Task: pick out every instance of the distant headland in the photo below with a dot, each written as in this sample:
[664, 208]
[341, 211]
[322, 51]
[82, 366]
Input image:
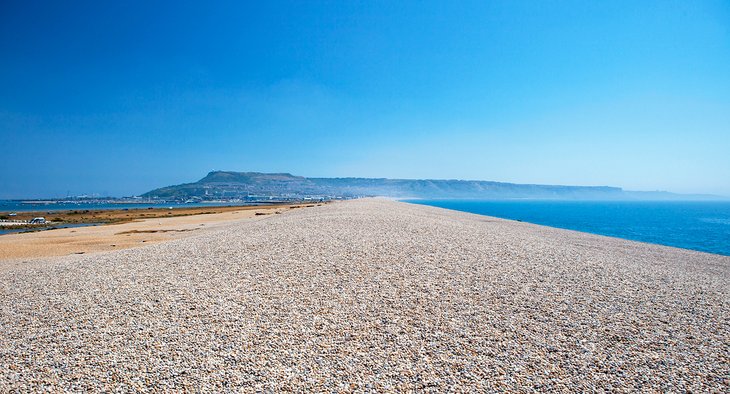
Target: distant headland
[222, 185]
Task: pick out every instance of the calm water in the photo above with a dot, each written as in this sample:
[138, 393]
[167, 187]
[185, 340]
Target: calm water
[25, 230]
[17, 206]
[703, 226]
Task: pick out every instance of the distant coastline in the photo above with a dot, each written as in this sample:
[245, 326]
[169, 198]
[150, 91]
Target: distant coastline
[256, 185]
[246, 188]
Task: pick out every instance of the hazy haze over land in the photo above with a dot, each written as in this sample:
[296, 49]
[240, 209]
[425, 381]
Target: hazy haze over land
[121, 98]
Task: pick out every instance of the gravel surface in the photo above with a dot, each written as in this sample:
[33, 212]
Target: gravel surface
[370, 295]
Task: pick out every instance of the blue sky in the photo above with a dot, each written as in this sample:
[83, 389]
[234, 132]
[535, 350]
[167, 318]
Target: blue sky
[119, 98]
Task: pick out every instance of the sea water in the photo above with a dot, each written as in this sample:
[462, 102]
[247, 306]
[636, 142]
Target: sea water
[697, 225]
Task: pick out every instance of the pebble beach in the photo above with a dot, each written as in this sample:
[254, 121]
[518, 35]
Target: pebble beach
[370, 295]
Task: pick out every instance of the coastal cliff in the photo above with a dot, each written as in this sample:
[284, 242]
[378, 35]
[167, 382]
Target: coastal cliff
[229, 184]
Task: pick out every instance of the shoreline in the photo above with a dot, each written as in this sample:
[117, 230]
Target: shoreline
[675, 234]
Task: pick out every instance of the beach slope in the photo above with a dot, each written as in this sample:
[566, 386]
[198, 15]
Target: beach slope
[370, 295]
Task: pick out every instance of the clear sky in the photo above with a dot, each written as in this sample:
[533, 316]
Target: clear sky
[121, 97]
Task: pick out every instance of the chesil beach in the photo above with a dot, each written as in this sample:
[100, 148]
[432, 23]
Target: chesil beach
[369, 295]
[365, 196]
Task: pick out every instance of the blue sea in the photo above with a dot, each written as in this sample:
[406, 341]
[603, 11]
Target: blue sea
[697, 225]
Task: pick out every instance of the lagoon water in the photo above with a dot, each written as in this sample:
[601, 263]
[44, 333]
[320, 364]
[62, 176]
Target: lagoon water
[26, 230]
[697, 225]
[19, 206]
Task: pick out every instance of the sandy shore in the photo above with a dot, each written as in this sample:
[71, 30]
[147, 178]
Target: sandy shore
[129, 229]
[370, 295]
[82, 215]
